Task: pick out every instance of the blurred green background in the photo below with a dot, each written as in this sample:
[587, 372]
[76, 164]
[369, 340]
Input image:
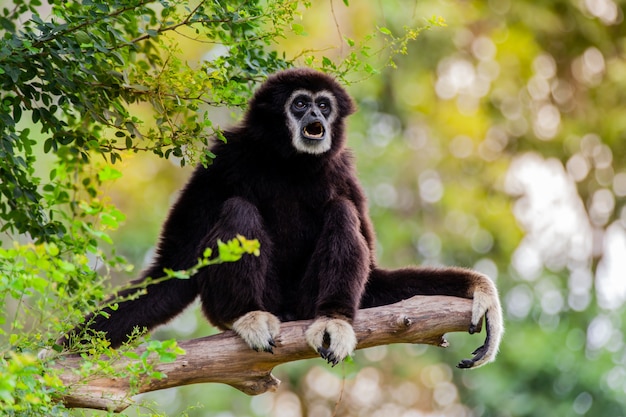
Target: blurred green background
[497, 143]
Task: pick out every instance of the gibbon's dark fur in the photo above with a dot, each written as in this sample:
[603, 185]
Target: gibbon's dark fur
[310, 215]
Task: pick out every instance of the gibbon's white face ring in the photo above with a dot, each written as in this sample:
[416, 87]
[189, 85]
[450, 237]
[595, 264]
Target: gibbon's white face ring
[315, 137]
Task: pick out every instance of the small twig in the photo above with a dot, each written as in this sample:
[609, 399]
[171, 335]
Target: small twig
[332, 9]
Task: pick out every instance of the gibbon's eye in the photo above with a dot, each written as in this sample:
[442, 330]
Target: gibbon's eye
[324, 106]
[299, 104]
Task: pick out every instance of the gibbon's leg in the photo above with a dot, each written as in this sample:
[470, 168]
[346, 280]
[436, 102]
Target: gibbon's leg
[337, 273]
[159, 304]
[390, 286]
[233, 294]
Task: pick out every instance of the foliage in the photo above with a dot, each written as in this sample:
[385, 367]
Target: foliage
[76, 73]
[22, 389]
[36, 268]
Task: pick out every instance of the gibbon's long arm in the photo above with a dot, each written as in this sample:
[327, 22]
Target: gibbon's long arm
[339, 273]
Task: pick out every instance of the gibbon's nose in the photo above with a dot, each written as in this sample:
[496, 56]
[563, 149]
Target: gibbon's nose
[316, 113]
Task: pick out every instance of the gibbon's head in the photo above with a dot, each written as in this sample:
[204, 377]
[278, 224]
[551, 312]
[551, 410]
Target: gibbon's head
[300, 111]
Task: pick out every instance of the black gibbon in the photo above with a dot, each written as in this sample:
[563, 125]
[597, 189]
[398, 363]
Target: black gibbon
[285, 177]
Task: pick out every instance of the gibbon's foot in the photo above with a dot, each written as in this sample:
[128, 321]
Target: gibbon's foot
[259, 329]
[333, 339]
[486, 304]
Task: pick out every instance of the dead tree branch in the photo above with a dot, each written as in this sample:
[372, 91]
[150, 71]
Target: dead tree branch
[226, 359]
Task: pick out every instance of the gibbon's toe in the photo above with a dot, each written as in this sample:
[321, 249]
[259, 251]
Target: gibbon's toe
[259, 329]
[333, 339]
[465, 364]
[474, 328]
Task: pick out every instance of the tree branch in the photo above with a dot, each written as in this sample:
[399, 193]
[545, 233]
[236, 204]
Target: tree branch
[225, 358]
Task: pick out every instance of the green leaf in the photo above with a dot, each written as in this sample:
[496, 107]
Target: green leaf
[229, 252]
[52, 249]
[47, 145]
[176, 274]
[109, 173]
[109, 220]
[132, 355]
[7, 25]
[298, 29]
[167, 357]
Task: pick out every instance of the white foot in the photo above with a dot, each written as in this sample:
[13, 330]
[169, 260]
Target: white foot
[259, 329]
[333, 339]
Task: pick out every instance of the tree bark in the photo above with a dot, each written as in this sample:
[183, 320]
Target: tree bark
[225, 358]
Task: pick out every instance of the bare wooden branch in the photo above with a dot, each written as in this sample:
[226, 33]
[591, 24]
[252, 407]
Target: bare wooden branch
[226, 359]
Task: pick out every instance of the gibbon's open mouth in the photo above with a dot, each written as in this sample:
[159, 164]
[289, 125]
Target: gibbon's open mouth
[313, 130]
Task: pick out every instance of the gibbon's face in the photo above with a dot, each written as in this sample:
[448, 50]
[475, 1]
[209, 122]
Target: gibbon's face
[310, 116]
